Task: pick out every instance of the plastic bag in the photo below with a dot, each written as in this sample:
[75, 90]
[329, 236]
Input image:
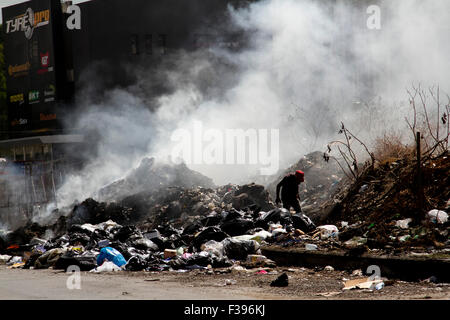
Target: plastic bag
[327, 231]
[112, 255]
[213, 247]
[239, 249]
[237, 226]
[302, 222]
[437, 216]
[210, 233]
[107, 266]
[136, 263]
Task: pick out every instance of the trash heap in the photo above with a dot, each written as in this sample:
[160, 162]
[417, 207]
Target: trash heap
[181, 229]
[380, 210]
[184, 228]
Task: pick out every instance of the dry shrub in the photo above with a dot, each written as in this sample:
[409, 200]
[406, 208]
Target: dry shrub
[389, 147]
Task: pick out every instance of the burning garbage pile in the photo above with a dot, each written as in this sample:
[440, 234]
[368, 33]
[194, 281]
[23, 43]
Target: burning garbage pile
[165, 227]
[212, 239]
[199, 227]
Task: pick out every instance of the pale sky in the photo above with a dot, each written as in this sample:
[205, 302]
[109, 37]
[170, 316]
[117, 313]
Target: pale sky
[6, 3]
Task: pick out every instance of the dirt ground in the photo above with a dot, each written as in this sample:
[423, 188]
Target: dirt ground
[199, 285]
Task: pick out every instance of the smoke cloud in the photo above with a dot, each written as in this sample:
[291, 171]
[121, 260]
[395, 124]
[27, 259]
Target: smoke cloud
[308, 66]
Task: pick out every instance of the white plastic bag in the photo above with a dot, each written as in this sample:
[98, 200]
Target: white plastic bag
[328, 231]
[437, 216]
[107, 266]
[214, 247]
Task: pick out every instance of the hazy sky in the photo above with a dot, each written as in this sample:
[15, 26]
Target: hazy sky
[6, 3]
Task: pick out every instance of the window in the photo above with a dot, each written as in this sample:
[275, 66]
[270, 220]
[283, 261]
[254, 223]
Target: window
[148, 44]
[162, 43]
[134, 44]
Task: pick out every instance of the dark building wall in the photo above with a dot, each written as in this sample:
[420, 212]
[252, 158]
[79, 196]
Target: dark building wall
[117, 33]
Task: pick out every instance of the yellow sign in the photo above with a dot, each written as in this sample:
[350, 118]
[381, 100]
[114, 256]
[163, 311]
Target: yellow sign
[16, 98]
[19, 69]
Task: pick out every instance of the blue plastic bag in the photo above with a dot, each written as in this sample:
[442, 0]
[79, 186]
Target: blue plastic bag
[112, 255]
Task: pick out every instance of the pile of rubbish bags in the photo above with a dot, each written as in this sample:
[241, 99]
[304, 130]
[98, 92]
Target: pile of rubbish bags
[213, 240]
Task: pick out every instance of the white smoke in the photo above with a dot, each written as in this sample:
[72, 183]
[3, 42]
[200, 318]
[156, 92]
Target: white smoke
[309, 66]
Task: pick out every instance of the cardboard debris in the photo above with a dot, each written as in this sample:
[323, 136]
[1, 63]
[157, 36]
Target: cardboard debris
[169, 253]
[361, 283]
[329, 294]
[17, 265]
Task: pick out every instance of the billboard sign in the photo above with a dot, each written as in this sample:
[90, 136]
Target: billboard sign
[29, 49]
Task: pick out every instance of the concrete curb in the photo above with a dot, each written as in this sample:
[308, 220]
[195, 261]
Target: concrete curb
[410, 269]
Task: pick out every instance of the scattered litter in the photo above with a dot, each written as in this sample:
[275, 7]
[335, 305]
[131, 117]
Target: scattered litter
[14, 260]
[4, 258]
[169, 253]
[403, 224]
[404, 238]
[437, 216]
[357, 273]
[344, 224]
[107, 266]
[151, 280]
[262, 272]
[328, 231]
[362, 283]
[281, 281]
[329, 294]
[103, 243]
[229, 282]
[256, 258]
[17, 265]
[363, 188]
[379, 286]
[310, 247]
[111, 254]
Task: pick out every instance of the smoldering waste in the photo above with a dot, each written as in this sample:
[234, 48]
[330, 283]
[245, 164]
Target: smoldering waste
[156, 222]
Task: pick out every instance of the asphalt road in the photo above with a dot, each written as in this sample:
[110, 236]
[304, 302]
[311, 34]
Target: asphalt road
[199, 285]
